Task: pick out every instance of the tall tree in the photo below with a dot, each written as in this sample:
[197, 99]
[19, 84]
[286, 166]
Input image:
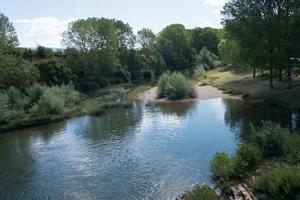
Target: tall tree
[8, 35]
[174, 44]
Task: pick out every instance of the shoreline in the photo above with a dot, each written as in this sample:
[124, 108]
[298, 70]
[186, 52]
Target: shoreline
[203, 93]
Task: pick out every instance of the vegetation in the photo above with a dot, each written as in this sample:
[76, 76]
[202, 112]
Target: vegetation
[175, 86]
[201, 193]
[282, 182]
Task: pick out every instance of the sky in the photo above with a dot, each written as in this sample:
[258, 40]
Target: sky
[42, 22]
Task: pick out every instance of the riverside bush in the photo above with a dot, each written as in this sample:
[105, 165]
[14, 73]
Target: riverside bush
[221, 166]
[270, 139]
[34, 92]
[247, 158]
[201, 193]
[292, 149]
[175, 86]
[281, 183]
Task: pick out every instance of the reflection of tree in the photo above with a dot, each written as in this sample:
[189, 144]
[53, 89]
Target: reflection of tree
[115, 122]
[177, 108]
[239, 115]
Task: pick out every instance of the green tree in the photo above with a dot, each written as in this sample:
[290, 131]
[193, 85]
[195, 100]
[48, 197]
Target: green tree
[8, 35]
[206, 37]
[174, 44]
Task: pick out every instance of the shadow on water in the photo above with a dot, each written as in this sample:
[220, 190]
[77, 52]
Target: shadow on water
[239, 116]
[179, 109]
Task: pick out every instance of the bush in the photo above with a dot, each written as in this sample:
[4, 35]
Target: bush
[282, 183]
[55, 99]
[199, 72]
[207, 59]
[54, 73]
[292, 148]
[247, 158]
[16, 100]
[221, 166]
[270, 139]
[201, 193]
[175, 86]
[35, 92]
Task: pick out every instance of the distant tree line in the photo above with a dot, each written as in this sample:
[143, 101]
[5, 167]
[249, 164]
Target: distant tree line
[260, 34]
[100, 52]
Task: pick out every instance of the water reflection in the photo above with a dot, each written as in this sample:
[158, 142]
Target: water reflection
[239, 116]
[144, 152]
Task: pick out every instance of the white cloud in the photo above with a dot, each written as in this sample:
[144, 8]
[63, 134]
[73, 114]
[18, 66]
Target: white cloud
[216, 12]
[45, 31]
[215, 3]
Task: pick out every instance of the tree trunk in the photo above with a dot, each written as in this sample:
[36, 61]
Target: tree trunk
[289, 70]
[271, 77]
[280, 74]
[254, 72]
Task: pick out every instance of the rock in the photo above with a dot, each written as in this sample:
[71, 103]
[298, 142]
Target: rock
[241, 192]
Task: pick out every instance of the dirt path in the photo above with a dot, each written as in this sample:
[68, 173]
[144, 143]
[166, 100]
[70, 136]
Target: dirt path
[203, 92]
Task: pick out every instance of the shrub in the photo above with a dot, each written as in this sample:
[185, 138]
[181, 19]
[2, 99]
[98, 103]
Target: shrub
[292, 148]
[16, 100]
[207, 59]
[247, 158]
[175, 86]
[282, 183]
[270, 139]
[54, 73]
[199, 72]
[50, 103]
[221, 166]
[35, 92]
[54, 99]
[201, 193]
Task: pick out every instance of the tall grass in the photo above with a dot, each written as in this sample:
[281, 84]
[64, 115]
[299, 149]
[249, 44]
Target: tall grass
[175, 86]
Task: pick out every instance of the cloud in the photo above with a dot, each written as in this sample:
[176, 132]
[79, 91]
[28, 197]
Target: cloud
[215, 3]
[45, 31]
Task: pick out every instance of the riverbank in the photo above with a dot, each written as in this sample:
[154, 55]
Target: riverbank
[203, 93]
[240, 82]
[90, 103]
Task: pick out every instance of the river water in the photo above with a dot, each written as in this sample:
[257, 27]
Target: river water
[144, 152]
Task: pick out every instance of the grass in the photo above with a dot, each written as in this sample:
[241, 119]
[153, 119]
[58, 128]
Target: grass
[134, 93]
[240, 82]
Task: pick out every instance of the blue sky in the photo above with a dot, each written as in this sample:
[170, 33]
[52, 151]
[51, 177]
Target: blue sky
[41, 22]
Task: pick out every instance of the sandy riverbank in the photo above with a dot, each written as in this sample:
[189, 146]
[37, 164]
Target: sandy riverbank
[203, 92]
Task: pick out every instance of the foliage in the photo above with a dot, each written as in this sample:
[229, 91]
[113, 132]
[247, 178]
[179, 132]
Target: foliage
[221, 166]
[199, 72]
[175, 86]
[8, 35]
[34, 92]
[282, 183]
[206, 37]
[54, 73]
[55, 99]
[247, 158]
[270, 138]
[292, 148]
[43, 52]
[207, 59]
[201, 193]
[230, 52]
[174, 44]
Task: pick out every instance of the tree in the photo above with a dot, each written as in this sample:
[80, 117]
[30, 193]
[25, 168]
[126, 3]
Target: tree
[43, 52]
[97, 42]
[54, 73]
[264, 29]
[174, 44]
[146, 39]
[8, 35]
[206, 37]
